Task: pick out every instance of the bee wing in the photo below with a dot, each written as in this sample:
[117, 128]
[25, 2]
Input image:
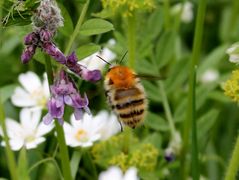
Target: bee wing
[149, 77]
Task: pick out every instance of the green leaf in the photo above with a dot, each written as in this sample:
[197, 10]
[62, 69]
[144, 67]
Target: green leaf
[95, 26]
[23, 165]
[156, 122]
[152, 91]
[87, 50]
[7, 91]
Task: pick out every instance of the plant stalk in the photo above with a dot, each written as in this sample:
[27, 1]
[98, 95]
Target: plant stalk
[65, 162]
[77, 28]
[131, 40]
[190, 122]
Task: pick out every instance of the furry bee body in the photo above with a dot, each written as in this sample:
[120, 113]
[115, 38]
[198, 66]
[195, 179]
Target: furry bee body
[126, 95]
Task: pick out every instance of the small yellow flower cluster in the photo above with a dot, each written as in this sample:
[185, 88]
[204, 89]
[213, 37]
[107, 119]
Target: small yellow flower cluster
[127, 7]
[143, 156]
[231, 86]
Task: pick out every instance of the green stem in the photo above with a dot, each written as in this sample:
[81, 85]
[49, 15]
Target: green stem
[131, 40]
[166, 9]
[233, 167]
[10, 155]
[77, 28]
[233, 19]
[65, 163]
[191, 118]
[167, 108]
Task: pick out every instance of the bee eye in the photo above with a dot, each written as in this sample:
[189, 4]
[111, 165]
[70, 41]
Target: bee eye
[111, 82]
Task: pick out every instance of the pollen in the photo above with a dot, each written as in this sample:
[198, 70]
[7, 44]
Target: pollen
[231, 86]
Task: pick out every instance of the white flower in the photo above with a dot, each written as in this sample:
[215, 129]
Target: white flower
[187, 11]
[117, 174]
[92, 62]
[29, 132]
[90, 128]
[107, 124]
[33, 93]
[209, 76]
[233, 53]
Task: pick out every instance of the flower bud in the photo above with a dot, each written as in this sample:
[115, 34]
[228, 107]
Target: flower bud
[28, 53]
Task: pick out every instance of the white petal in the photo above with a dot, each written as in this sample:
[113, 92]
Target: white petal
[30, 81]
[14, 129]
[234, 58]
[44, 129]
[131, 174]
[16, 144]
[30, 118]
[46, 86]
[22, 99]
[113, 172]
[33, 144]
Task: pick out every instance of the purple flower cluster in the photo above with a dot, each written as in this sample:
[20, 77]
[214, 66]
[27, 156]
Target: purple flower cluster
[64, 93]
[43, 40]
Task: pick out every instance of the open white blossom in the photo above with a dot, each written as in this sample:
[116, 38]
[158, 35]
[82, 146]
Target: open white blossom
[86, 131]
[29, 132]
[92, 62]
[116, 173]
[209, 76]
[33, 93]
[233, 53]
[187, 11]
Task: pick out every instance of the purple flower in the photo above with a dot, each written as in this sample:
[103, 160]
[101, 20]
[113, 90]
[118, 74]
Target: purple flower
[31, 38]
[28, 53]
[53, 51]
[45, 36]
[82, 71]
[56, 110]
[64, 92]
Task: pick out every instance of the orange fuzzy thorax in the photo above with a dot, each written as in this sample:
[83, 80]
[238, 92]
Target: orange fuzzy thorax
[121, 76]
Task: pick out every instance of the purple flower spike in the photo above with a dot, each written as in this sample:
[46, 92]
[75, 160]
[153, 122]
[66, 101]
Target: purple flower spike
[45, 35]
[28, 53]
[71, 60]
[53, 51]
[31, 38]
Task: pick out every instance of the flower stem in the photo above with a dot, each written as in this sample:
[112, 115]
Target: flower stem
[191, 117]
[233, 167]
[75, 160]
[77, 28]
[10, 155]
[131, 40]
[167, 109]
[233, 19]
[65, 163]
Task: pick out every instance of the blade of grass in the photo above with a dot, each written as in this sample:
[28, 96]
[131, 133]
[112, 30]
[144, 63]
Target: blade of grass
[191, 117]
[75, 161]
[233, 167]
[10, 155]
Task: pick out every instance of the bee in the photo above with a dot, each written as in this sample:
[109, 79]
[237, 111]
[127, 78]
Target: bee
[125, 95]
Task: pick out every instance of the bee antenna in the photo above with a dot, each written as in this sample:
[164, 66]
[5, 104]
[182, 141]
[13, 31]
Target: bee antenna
[103, 59]
[123, 57]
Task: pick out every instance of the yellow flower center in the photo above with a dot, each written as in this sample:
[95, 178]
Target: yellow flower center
[81, 135]
[30, 138]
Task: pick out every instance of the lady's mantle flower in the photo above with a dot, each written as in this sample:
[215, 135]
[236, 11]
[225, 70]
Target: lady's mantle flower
[231, 86]
[186, 10]
[116, 173]
[128, 7]
[81, 133]
[29, 132]
[34, 93]
[233, 53]
[64, 92]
